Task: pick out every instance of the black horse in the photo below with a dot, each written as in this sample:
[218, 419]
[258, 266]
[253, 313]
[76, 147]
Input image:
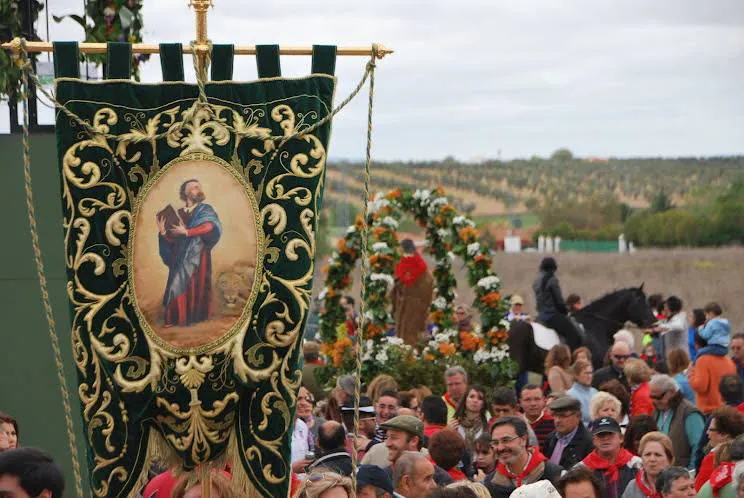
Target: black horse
[600, 318]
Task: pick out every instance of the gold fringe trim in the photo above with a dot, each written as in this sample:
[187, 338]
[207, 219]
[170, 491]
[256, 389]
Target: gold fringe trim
[158, 450]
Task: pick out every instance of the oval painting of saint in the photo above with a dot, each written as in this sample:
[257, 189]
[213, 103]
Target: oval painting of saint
[193, 262]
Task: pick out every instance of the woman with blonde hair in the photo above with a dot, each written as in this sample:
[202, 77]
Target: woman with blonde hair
[657, 455]
[220, 488]
[326, 484]
[382, 382]
[638, 374]
[605, 404]
[557, 365]
[478, 489]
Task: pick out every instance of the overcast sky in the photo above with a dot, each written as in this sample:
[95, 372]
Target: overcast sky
[524, 77]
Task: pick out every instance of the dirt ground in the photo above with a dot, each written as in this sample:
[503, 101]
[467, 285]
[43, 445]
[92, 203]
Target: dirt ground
[697, 276]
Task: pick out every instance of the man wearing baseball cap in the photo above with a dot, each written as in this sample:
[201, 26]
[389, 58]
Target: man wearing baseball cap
[373, 482]
[517, 309]
[613, 465]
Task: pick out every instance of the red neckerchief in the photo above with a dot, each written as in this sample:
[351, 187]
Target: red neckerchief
[410, 268]
[449, 401]
[640, 480]
[721, 476]
[543, 415]
[611, 470]
[536, 458]
[740, 408]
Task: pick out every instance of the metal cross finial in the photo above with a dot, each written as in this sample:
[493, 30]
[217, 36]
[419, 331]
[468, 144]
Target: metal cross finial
[201, 7]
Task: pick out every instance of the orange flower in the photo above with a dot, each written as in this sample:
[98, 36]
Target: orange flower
[480, 258]
[447, 208]
[341, 245]
[378, 231]
[498, 336]
[346, 281]
[438, 220]
[374, 259]
[439, 190]
[436, 316]
[468, 234]
[491, 299]
[447, 348]
[373, 330]
[331, 292]
[429, 357]
[393, 194]
[469, 342]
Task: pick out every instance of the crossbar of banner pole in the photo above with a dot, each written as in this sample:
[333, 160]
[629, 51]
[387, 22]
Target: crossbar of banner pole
[145, 48]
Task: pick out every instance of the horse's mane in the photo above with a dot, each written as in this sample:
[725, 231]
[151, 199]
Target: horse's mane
[600, 302]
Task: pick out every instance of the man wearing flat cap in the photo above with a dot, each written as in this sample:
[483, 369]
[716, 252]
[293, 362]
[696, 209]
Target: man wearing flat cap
[570, 442]
[612, 464]
[406, 433]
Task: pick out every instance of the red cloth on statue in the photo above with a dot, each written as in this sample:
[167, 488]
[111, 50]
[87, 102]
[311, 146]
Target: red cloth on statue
[195, 301]
[410, 268]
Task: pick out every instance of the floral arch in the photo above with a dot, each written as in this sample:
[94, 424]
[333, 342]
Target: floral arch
[483, 351]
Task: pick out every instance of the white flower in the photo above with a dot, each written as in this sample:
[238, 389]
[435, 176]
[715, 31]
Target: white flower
[381, 357]
[377, 204]
[462, 220]
[473, 249]
[385, 278]
[395, 341]
[451, 255]
[434, 205]
[322, 294]
[440, 303]
[505, 324]
[441, 338]
[422, 196]
[379, 246]
[351, 230]
[369, 315]
[389, 221]
[489, 282]
[443, 233]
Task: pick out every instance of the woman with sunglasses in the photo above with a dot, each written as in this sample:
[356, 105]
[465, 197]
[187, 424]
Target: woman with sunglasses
[725, 424]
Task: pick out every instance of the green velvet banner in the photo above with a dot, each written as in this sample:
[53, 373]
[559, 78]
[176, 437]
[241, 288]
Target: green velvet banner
[189, 261]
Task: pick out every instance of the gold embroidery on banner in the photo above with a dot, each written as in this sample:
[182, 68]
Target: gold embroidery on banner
[264, 356]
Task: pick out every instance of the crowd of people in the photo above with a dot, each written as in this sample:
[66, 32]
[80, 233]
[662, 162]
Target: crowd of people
[661, 418]
[652, 422]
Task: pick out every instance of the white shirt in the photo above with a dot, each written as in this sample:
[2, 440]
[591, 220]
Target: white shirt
[300, 446]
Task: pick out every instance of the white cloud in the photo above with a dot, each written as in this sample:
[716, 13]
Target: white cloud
[617, 77]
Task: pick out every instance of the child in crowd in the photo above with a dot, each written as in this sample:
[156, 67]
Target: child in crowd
[716, 331]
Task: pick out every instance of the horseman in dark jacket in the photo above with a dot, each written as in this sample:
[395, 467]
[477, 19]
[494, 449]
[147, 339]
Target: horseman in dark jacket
[551, 308]
[570, 442]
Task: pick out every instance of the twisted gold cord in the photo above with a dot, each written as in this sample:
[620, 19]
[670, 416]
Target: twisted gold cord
[364, 267]
[40, 273]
